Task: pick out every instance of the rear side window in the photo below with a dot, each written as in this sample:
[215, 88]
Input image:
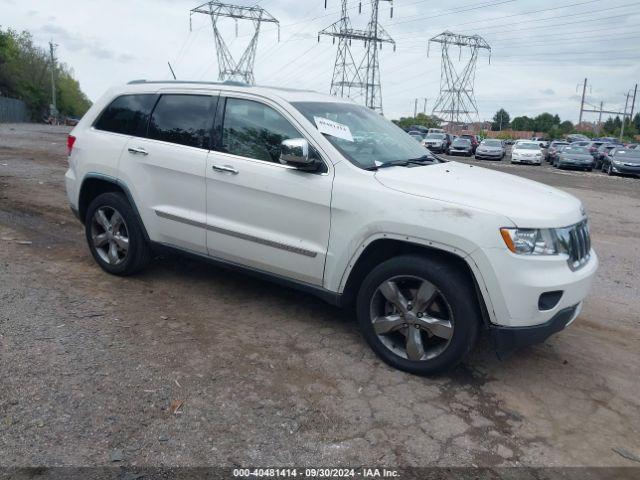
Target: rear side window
[128, 114]
[183, 119]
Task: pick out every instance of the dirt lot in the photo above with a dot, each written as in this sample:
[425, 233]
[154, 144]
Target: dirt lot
[268, 376]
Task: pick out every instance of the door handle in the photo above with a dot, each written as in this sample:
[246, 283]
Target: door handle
[138, 150]
[224, 169]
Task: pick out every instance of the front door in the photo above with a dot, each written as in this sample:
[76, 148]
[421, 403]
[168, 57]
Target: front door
[260, 213]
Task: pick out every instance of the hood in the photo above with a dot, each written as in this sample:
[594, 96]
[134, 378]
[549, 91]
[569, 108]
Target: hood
[525, 202]
[573, 156]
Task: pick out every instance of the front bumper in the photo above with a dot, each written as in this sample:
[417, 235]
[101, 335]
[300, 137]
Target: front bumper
[569, 163]
[489, 155]
[626, 169]
[506, 340]
[436, 148]
[459, 152]
[515, 283]
[529, 160]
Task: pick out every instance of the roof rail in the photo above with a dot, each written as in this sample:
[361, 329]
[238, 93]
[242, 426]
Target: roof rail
[226, 82]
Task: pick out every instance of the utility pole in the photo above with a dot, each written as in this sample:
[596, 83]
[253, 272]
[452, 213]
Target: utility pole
[424, 110]
[415, 109]
[52, 50]
[600, 118]
[633, 102]
[584, 92]
[624, 116]
[228, 67]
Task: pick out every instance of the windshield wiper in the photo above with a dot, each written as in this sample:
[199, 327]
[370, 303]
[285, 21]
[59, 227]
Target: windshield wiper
[395, 163]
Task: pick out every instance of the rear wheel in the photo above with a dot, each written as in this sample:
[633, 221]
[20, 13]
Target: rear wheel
[115, 235]
[417, 314]
[610, 170]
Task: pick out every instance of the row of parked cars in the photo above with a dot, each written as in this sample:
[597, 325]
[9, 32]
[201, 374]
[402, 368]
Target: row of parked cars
[600, 154]
[438, 141]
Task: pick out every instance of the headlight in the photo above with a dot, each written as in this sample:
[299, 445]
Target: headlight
[617, 162]
[530, 241]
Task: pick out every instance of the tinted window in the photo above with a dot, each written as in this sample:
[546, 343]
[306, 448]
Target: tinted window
[183, 119]
[254, 130]
[128, 114]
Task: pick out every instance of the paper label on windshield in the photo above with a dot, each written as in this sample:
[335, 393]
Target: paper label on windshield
[334, 129]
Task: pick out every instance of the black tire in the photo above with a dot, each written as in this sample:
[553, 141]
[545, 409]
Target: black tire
[138, 253]
[610, 170]
[456, 289]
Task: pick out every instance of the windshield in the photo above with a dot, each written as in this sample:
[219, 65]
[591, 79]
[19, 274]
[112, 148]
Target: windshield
[461, 142]
[491, 143]
[438, 136]
[558, 144]
[629, 153]
[370, 139]
[528, 146]
[576, 150]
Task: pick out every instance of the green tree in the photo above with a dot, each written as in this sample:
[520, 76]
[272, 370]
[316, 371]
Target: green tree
[545, 122]
[500, 120]
[427, 121]
[522, 124]
[25, 71]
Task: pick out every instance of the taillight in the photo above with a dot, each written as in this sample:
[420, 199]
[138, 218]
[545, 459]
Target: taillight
[70, 141]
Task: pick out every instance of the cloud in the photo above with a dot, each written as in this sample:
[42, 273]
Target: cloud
[77, 43]
[548, 91]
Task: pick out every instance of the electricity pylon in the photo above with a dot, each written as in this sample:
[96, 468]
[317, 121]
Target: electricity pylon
[361, 82]
[228, 68]
[456, 101]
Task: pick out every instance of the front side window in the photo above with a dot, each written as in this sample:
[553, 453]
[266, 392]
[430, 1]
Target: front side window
[127, 114]
[183, 119]
[254, 130]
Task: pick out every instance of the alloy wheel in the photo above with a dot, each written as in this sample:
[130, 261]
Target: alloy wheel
[412, 318]
[109, 235]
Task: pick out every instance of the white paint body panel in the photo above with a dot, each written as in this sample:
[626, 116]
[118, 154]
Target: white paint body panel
[452, 206]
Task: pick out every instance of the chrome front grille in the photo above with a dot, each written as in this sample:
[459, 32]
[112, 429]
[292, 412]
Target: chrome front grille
[577, 244]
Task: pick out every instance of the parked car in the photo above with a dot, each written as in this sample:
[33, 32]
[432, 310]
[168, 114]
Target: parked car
[613, 140]
[417, 136]
[509, 142]
[288, 186]
[577, 137]
[593, 147]
[575, 157]
[435, 130]
[71, 121]
[490, 149]
[461, 146]
[601, 153]
[552, 151]
[437, 142]
[543, 142]
[473, 139]
[527, 152]
[622, 161]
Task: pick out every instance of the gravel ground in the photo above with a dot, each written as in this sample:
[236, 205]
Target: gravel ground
[94, 365]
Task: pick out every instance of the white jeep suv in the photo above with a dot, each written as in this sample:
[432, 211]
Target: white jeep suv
[318, 193]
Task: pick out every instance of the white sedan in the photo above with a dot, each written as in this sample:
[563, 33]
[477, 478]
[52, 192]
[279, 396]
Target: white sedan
[527, 152]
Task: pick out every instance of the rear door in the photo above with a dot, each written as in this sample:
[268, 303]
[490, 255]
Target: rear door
[260, 213]
[166, 169]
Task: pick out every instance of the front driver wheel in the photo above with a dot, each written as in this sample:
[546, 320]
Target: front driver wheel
[115, 236]
[418, 314]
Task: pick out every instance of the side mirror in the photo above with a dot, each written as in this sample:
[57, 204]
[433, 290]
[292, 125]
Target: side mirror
[296, 152]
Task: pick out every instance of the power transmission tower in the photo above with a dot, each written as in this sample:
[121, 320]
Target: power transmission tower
[361, 82]
[456, 101]
[228, 68]
[601, 110]
[52, 53]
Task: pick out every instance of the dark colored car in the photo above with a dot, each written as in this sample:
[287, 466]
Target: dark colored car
[575, 157]
[577, 137]
[461, 146]
[473, 139]
[609, 140]
[554, 147]
[437, 142]
[622, 160]
[603, 151]
[593, 147]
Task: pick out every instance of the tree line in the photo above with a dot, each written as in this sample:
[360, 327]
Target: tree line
[25, 74]
[554, 127]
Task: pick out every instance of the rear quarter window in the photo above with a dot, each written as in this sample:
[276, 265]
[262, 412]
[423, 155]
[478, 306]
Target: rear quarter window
[127, 114]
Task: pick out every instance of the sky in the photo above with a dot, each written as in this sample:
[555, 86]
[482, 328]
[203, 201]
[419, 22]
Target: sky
[541, 50]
